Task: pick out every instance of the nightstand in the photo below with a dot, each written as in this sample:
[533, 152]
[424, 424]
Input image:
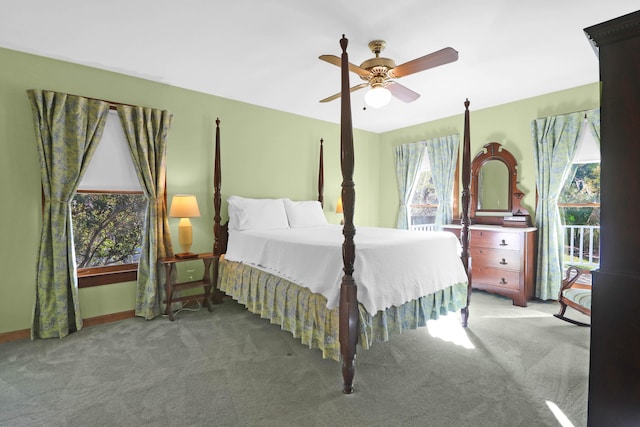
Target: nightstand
[171, 288]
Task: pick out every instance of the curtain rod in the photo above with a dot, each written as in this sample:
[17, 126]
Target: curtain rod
[113, 105]
[573, 112]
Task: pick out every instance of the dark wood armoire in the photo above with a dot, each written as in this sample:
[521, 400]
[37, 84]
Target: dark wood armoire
[614, 370]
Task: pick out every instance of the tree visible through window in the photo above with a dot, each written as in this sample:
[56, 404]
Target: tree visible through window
[107, 228]
[579, 204]
[579, 199]
[424, 202]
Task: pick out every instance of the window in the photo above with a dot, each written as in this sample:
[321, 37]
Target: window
[108, 212]
[424, 201]
[579, 204]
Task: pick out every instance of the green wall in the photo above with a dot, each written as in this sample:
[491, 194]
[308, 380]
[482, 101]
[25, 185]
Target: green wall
[509, 124]
[265, 153]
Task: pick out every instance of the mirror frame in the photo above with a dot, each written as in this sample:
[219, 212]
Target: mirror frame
[495, 151]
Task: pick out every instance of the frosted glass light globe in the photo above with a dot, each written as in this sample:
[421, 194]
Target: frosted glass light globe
[377, 97]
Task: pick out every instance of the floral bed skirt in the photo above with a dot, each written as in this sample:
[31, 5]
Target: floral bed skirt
[305, 314]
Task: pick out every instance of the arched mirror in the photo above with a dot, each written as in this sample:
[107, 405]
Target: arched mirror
[493, 187]
[494, 193]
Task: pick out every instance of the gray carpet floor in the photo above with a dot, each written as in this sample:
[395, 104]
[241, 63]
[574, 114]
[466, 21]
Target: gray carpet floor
[511, 367]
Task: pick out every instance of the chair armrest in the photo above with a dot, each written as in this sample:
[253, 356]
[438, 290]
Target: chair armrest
[572, 276]
[575, 285]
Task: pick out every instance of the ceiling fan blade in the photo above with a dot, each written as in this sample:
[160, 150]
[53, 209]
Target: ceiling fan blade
[353, 89]
[403, 93]
[440, 57]
[332, 59]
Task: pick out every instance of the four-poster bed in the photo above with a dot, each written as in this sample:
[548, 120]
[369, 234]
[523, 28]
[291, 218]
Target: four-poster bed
[309, 305]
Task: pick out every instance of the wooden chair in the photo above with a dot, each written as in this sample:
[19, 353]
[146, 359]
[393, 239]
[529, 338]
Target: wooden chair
[575, 292]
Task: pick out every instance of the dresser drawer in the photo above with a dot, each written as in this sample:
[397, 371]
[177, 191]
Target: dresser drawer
[495, 277]
[496, 239]
[502, 260]
[495, 258]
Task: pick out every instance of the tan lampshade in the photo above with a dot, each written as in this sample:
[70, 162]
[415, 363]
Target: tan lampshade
[184, 206]
[339, 205]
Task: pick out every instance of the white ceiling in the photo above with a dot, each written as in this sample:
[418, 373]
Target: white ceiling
[265, 52]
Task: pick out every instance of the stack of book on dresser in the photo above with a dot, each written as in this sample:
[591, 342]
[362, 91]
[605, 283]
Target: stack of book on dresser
[517, 221]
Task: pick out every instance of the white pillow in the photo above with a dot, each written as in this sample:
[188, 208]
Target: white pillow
[256, 214]
[233, 214]
[305, 214]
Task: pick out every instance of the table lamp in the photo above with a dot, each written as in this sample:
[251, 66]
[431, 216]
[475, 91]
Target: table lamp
[339, 209]
[184, 206]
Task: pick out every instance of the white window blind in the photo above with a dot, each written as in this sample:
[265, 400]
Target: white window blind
[111, 167]
[588, 149]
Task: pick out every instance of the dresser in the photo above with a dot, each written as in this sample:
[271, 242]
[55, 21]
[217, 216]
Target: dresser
[503, 260]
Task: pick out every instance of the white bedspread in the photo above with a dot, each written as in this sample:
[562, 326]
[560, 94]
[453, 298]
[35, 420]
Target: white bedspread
[391, 266]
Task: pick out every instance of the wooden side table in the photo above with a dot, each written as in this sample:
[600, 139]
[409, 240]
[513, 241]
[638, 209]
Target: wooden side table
[170, 287]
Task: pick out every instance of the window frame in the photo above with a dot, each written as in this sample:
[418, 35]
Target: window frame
[108, 274]
[455, 196]
[583, 133]
[585, 239]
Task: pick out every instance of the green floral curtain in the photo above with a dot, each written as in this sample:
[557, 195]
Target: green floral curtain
[68, 129]
[555, 140]
[443, 154]
[146, 130]
[408, 159]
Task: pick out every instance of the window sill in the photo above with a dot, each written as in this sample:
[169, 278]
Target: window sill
[88, 277]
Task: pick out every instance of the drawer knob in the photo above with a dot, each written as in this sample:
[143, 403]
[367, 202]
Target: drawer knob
[503, 262]
[503, 243]
[502, 281]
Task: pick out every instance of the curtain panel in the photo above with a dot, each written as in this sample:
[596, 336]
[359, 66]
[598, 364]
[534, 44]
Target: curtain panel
[146, 130]
[408, 160]
[443, 156]
[67, 129]
[555, 140]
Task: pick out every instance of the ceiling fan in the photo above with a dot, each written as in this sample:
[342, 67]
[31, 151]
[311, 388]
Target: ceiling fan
[381, 73]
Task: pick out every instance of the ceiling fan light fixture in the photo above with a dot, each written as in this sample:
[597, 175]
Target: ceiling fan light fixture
[377, 97]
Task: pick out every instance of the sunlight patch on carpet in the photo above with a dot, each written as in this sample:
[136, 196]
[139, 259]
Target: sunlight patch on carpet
[560, 416]
[509, 314]
[449, 329]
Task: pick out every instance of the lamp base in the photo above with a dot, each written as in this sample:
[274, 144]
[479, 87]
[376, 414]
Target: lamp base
[184, 255]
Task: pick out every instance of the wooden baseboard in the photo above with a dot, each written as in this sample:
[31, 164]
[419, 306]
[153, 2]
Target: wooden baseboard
[25, 334]
[108, 318]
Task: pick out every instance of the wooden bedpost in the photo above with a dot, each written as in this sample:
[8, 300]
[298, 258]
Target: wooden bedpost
[321, 175]
[217, 202]
[348, 289]
[465, 221]
[219, 231]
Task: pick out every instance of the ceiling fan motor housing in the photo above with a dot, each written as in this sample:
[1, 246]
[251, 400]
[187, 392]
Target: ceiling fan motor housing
[378, 67]
[369, 64]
